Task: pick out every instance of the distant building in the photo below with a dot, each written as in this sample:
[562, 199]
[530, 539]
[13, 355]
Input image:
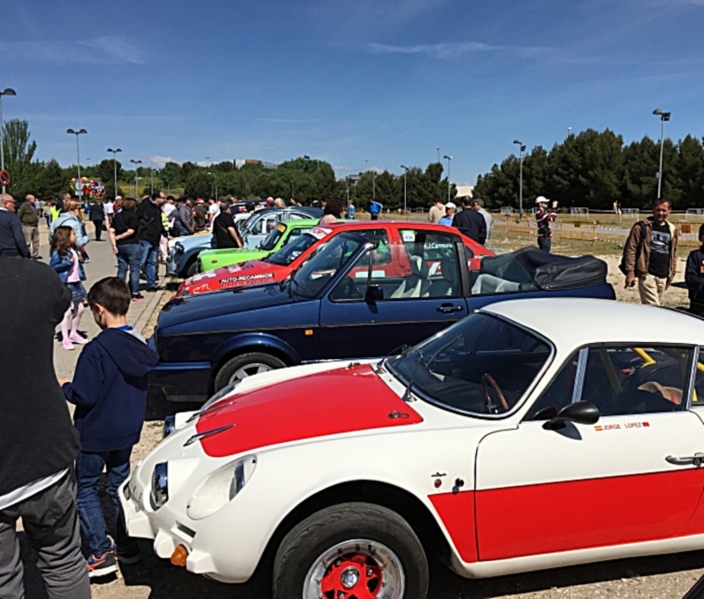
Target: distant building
[464, 190]
[240, 162]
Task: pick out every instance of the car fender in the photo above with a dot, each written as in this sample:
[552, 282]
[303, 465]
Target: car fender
[186, 258]
[255, 341]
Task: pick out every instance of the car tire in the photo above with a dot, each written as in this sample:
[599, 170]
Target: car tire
[191, 269]
[321, 556]
[247, 365]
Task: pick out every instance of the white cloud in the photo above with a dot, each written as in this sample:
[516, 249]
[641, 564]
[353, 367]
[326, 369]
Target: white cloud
[98, 50]
[345, 169]
[159, 161]
[456, 49]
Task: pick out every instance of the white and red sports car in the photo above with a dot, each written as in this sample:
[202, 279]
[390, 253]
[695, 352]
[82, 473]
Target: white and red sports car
[532, 434]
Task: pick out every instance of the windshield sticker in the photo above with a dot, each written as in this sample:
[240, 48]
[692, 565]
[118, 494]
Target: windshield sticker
[319, 232]
[409, 236]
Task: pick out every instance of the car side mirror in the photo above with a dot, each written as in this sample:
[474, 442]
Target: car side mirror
[374, 294]
[580, 412]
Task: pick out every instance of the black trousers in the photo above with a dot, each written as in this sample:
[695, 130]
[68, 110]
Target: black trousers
[98, 229]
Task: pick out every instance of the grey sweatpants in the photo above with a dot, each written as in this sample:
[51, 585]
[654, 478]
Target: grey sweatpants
[51, 524]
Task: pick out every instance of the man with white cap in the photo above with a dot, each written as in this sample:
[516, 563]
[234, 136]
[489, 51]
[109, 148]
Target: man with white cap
[449, 215]
[544, 218]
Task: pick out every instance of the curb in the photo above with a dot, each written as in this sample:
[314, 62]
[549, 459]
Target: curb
[148, 310]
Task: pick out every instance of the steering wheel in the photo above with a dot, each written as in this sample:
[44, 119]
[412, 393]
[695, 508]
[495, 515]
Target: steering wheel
[348, 290]
[487, 381]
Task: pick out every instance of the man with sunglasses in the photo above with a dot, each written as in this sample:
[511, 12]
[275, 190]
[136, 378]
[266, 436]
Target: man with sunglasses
[12, 243]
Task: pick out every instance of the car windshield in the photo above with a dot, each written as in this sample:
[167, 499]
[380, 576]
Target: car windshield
[272, 238]
[481, 365]
[291, 251]
[313, 276]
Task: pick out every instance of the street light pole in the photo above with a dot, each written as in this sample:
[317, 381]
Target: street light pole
[521, 149]
[438, 149]
[114, 164]
[449, 162]
[136, 177]
[664, 116]
[78, 152]
[8, 92]
[405, 189]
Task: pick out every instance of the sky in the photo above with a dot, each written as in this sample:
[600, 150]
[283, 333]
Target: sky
[359, 83]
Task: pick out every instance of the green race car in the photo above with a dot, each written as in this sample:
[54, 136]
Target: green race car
[282, 233]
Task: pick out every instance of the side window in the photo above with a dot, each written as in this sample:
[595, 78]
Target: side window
[353, 287]
[432, 259]
[621, 380]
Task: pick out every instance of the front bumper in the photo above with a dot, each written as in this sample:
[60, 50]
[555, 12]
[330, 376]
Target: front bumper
[182, 381]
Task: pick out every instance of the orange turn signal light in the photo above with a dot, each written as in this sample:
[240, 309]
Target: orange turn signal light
[179, 556]
[308, 332]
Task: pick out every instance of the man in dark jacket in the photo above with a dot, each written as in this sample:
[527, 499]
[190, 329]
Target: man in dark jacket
[109, 390]
[29, 217]
[470, 222]
[151, 228]
[12, 241]
[38, 443]
[694, 277]
[96, 214]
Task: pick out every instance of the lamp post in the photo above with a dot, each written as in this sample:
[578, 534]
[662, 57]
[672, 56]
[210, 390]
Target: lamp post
[449, 161]
[114, 164]
[79, 192]
[293, 190]
[405, 189]
[136, 178]
[8, 92]
[664, 116]
[569, 131]
[521, 149]
[366, 162]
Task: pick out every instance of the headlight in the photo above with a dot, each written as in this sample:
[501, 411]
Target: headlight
[179, 248]
[169, 426]
[220, 487]
[160, 484]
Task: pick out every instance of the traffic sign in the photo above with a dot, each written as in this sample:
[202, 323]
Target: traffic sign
[79, 185]
[4, 178]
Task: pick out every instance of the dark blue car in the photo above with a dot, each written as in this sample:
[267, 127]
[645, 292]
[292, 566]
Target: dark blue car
[359, 296]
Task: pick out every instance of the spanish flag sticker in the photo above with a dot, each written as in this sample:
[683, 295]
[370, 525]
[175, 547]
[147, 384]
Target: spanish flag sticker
[598, 428]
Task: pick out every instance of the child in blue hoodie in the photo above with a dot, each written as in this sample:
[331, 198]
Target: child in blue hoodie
[109, 390]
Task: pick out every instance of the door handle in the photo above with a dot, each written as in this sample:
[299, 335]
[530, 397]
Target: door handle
[449, 308]
[697, 460]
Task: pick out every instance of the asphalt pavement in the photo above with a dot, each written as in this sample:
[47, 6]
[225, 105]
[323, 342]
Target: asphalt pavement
[103, 263]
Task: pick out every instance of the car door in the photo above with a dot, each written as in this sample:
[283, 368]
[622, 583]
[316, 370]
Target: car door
[410, 304]
[631, 477]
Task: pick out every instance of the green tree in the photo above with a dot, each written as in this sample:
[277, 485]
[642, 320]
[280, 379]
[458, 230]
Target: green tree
[198, 185]
[53, 182]
[171, 173]
[19, 152]
[106, 175]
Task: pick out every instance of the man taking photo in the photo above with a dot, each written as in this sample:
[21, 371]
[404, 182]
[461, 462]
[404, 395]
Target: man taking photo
[650, 254]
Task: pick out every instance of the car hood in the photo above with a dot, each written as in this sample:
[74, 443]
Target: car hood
[333, 402]
[210, 305]
[193, 241]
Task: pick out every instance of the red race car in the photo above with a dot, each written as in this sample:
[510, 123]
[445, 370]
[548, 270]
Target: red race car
[280, 265]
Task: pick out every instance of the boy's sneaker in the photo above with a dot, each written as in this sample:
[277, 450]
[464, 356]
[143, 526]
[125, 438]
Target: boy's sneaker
[101, 565]
[129, 554]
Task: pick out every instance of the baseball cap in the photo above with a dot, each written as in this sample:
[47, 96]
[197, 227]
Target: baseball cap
[450, 205]
[541, 200]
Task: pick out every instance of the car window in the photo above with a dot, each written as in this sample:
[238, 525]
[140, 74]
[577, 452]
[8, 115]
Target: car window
[465, 368]
[501, 274]
[273, 237]
[621, 380]
[424, 266]
[313, 275]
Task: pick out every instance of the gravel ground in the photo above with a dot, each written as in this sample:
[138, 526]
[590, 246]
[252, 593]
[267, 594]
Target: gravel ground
[661, 577]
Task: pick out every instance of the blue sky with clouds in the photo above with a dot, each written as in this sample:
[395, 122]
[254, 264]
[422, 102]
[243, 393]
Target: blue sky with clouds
[358, 83]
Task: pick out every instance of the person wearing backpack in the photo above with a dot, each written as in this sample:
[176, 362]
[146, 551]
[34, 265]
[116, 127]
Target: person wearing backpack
[650, 254]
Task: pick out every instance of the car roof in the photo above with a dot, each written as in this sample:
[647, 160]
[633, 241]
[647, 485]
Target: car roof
[299, 222]
[573, 322]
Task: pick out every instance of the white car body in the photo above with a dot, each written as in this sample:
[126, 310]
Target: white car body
[506, 494]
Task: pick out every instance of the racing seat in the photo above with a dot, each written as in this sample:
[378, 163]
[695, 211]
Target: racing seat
[448, 285]
[417, 283]
[486, 283]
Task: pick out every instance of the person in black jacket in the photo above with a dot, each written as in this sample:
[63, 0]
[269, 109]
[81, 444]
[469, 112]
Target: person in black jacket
[109, 390]
[96, 215]
[694, 277]
[151, 228]
[38, 443]
[12, 242]
[470, 222]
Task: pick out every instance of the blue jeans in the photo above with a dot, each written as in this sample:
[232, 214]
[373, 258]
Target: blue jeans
[545, 243]
[129, 255]
[150, 253]
[89, 467]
